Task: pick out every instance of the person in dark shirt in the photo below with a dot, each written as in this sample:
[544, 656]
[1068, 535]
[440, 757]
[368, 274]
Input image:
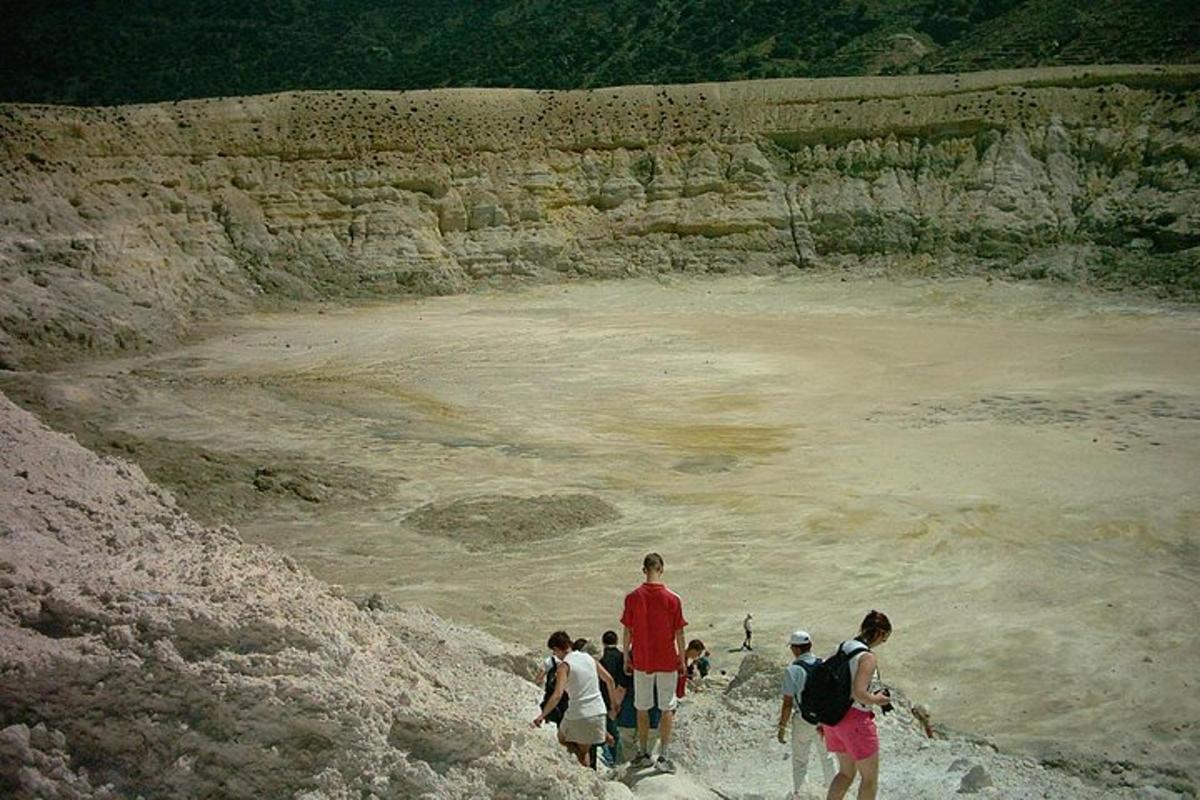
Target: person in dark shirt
[627, 737]
[613, 660]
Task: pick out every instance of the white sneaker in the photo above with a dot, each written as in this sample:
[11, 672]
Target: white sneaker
[664, 765]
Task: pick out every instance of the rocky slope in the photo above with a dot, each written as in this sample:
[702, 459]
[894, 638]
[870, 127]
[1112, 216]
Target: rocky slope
[141, 654]
[120, 227]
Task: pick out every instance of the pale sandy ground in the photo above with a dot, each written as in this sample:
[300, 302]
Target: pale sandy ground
[1008, 471]
[228, 671]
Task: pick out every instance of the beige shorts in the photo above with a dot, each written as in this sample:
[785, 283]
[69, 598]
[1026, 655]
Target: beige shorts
[652, 689]
[587, 730]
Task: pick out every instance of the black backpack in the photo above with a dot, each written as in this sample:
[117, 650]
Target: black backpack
[556, 713]
[808, 667]
[826, 696]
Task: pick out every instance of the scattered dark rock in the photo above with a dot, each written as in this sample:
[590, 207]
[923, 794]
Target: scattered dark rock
[267, 479]
[373, 602]
[504, 519]
[977, 778]
[523, 666]
[706, 465]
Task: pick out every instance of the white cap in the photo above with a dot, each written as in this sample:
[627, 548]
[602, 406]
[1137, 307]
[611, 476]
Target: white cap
[799, 637]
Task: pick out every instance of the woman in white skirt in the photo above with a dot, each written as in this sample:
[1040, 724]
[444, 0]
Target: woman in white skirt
[578, 674]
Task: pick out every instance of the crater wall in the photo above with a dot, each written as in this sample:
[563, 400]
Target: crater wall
[120, 227]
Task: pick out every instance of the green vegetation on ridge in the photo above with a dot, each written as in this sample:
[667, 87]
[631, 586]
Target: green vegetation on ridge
[105, 52]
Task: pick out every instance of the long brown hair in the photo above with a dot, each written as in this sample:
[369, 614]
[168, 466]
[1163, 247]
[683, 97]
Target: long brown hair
[874, 625]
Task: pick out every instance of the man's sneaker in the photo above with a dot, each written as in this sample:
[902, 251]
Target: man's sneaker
[663, 764]
[641, 760]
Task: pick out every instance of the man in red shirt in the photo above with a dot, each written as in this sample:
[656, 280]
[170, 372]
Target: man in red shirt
[654, 623]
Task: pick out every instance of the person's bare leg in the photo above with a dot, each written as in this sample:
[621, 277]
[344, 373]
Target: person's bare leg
[869, 769]
[845, 776]
[643, 728]
[665, 723]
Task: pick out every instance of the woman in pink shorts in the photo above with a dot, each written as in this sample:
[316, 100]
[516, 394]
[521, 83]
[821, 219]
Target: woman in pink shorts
[854, 741]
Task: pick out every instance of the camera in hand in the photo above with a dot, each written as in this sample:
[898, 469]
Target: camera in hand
[886, 708]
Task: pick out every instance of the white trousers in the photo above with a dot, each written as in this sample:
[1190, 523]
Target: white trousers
[805, 741]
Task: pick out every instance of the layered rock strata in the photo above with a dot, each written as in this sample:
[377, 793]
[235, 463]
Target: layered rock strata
[120, 227]
[144, 655]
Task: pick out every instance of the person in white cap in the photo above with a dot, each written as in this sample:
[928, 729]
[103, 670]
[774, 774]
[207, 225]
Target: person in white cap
[804, 736]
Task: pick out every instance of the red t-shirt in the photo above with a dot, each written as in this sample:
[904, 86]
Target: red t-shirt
[654, 613]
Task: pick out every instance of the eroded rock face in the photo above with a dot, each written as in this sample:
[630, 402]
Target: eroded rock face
[120, 226]
[141, 653]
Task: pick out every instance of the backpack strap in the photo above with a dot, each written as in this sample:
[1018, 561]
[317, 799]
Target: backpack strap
[807, 666]
[851, 654]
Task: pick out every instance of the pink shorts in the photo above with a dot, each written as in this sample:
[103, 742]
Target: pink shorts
[855, 735]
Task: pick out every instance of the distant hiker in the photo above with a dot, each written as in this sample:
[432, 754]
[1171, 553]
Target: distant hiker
[579, 674]
[654, 623]
[695, 648]
[854, 740]
[805, 738]
[748, 627]
[613, 660]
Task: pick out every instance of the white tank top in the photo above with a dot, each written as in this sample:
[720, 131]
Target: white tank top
[858, 648]
[583, 686]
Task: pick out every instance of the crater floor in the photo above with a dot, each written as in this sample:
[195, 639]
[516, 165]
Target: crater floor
[1008, 470]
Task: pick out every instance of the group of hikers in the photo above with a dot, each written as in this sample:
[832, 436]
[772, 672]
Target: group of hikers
[610, 706]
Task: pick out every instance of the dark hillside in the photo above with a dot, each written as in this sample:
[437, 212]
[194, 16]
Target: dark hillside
[105, 52]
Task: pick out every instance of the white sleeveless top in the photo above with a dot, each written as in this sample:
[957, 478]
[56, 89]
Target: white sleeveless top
[858, 648]
[583, 687]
